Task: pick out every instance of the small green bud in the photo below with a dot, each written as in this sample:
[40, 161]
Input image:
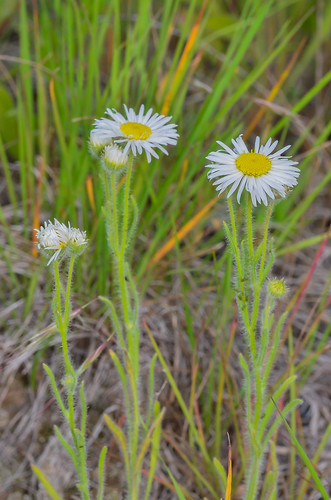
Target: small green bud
[277, 288]
[68, 381]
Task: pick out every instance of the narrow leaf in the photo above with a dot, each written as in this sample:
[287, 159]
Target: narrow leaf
[304, 457]
[46, 484]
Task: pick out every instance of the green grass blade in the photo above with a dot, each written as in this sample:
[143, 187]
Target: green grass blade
[304, 457]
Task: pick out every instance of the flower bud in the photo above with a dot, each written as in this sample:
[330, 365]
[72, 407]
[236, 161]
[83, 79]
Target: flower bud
[114, 159]
[277, 288]
[97, 143]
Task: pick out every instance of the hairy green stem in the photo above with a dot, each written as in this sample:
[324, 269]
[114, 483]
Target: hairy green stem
[117, 229]
[62, 320]
[251, 269]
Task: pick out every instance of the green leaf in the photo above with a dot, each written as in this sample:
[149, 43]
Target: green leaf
[220, 469]
[177, 487]
[46, 484]
[304, 457]
[120, 437]
[155, 446]
[101, 468]
[56, 390]
[67, 446]
[145, 444]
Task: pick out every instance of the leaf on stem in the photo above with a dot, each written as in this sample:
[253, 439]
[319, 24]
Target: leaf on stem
[155, 446]
[67, 447]
[46, 484]
[55, 390]
[115, 319]
[101, 469]
[83, 408]
[133, 225]
[151, 391]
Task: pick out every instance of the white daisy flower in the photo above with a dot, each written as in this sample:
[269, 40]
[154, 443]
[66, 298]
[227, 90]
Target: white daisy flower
[260, 171]
[60, 238]
[114, 158]
[137, 132]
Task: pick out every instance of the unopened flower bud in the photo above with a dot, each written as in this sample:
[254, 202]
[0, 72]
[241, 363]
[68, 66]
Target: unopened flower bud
[97, 143]
[277, 288]
[114, 159]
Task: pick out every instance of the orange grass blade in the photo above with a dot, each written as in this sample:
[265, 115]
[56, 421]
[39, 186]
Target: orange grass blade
[198, 421]
[182, 232]
[229, 480]
[36, 213]
[93, 357]
[184, 170]
[90, 192]
[182, 62]
[275, 89]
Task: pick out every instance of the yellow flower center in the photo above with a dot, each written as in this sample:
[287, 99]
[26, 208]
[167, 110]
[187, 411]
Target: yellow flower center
[254, 164]
[136, 131]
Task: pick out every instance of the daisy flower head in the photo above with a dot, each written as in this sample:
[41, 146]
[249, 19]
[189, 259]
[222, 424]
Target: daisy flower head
[262, 172]
[56, 238]
[137, 132]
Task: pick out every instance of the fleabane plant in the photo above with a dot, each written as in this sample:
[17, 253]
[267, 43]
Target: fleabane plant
[63, 244]
[265, 175]
[117, 140]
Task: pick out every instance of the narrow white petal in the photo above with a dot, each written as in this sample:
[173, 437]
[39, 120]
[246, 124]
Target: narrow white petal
[241, 187]
[278, 153]
[224, 146]
[234, 186]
